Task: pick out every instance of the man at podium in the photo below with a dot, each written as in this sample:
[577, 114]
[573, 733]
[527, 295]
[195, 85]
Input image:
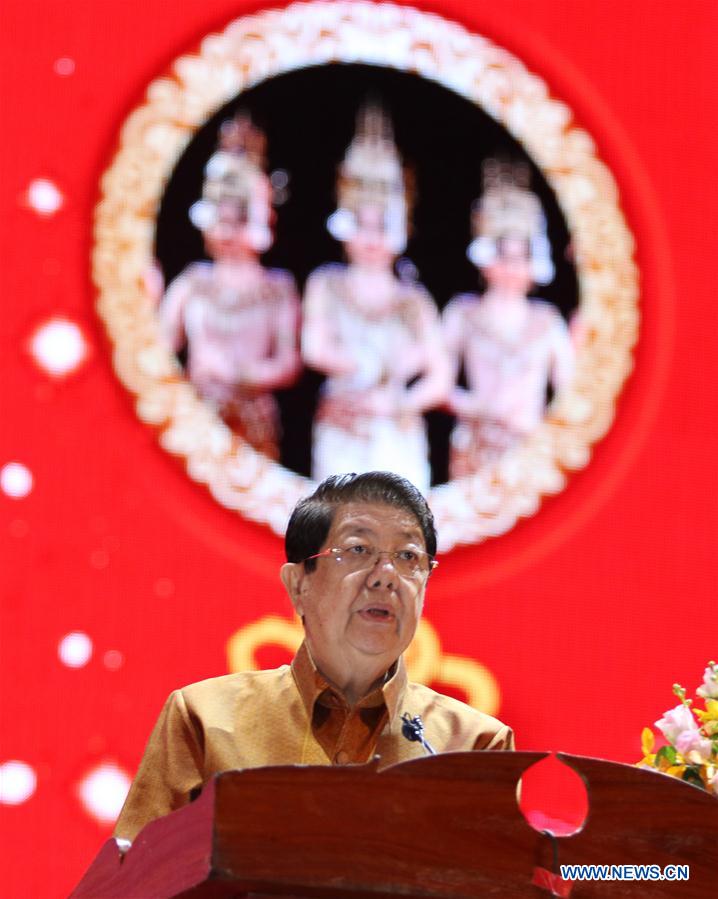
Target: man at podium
[360, 551]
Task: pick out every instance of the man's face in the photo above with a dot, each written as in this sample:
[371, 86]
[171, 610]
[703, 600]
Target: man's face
[367, 615]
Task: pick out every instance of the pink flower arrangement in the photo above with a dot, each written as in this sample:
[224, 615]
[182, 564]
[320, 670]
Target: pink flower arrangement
[691, 749]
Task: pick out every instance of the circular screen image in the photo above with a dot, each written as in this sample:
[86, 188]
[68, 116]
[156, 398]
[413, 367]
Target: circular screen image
[366, 256]
[446, 156]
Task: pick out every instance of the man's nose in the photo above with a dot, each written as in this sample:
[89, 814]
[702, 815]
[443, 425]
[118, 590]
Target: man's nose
[382, 572]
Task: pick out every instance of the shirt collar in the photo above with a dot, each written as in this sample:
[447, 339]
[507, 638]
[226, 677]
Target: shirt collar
[311, 684]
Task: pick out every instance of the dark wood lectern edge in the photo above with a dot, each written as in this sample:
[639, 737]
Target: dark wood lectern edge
[593, 771]
[179, 846]
[521, 760]
[380, 835]
[176, 848]
[449, 765]
[613, 786]
[636, 816]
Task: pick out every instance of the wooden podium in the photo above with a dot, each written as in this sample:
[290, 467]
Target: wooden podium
[442, 826]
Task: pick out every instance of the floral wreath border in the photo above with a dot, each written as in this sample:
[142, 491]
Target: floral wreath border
[260, 46]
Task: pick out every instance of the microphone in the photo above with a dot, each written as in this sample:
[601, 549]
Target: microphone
[413, 730]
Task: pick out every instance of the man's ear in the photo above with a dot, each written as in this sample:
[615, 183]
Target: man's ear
[292, 575]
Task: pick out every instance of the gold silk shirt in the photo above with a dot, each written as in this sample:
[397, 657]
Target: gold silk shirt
[288, 716]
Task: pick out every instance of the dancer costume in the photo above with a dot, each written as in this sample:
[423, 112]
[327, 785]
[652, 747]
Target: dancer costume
[240, 332]
[388, 344]
[507, 370]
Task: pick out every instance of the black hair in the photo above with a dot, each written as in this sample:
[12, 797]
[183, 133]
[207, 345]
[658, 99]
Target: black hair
[312, 517]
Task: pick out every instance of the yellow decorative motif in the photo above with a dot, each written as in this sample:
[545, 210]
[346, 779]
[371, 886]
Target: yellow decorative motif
[271, 630]
[425, 662]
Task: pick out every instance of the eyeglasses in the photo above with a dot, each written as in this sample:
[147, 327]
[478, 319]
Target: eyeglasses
[362, 556]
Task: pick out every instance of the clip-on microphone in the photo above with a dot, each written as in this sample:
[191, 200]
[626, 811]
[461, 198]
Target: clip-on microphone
[413, 730]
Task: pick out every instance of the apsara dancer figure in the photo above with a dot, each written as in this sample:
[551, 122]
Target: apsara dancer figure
[376, 337]
[237, 319]
[511, 345]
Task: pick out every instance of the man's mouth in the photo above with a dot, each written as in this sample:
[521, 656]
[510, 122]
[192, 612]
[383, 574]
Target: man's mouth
[376, 613]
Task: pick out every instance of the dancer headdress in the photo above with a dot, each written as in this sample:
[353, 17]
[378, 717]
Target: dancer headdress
[507, 208]
[235, 189]
[371, 175]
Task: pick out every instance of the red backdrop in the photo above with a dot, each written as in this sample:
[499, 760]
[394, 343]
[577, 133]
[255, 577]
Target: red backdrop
[585, 613]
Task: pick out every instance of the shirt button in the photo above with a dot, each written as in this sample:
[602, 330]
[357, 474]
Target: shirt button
[341, 758]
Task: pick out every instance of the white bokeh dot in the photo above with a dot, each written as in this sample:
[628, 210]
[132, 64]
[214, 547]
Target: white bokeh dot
[44, 196]
[64, 66]
[58, 347]
[75, 649]
[16, 480]
[103, 791]
[17, 782]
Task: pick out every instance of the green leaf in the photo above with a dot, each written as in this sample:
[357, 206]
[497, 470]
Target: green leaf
[668, 753]
[692, 776]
